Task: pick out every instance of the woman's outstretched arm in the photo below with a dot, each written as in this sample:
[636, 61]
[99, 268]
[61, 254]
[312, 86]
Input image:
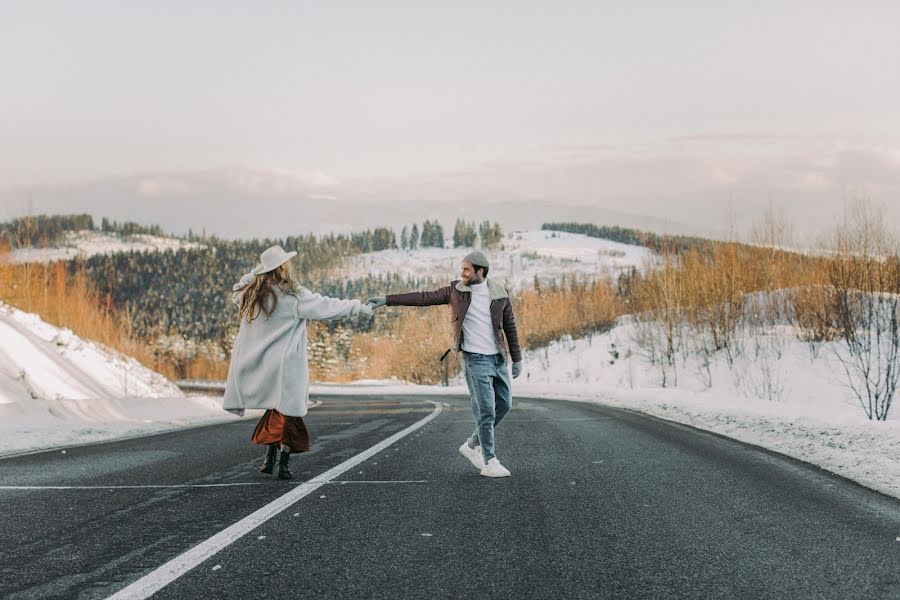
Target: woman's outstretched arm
[317, 306]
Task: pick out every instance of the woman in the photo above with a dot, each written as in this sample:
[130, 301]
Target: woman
[269, 367]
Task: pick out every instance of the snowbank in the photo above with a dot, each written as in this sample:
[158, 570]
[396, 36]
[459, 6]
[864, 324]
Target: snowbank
[58, 389]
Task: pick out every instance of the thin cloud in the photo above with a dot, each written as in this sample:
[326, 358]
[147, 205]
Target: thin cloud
[728, 136]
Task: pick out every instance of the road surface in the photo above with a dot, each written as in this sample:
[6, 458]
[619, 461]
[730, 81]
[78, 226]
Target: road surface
[602, 503]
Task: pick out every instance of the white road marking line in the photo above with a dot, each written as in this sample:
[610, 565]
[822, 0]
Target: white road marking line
[386, 481]
[122, 487]
[585, 419]
[154, 581]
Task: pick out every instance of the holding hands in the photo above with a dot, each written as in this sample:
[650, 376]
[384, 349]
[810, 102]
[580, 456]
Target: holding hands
[376, 302]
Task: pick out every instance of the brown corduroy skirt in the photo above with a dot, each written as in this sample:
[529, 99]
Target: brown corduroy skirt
[276, 428]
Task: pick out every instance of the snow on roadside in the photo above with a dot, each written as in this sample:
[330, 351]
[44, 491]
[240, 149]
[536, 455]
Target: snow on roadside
[815, 418]
[58, 389]
[778, 396]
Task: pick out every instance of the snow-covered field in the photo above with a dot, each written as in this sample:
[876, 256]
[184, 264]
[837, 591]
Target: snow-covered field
[547, 255]
[89, 243]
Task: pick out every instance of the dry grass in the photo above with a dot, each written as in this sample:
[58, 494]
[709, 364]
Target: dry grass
[409, 347]
[409, 342]
[70, 301]
[204, 367]
[575, 308]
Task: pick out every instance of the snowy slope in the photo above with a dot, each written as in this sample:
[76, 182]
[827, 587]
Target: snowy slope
[89, 243]
[547, 255]
[56, 388]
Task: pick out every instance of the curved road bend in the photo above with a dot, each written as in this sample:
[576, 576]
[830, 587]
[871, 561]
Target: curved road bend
[602, 504]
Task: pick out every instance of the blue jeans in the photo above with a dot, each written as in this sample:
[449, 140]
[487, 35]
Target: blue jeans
[488, 381]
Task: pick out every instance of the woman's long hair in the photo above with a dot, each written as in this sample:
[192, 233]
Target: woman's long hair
[260, 295]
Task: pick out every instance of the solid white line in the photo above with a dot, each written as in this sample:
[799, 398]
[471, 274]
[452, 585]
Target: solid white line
[120, 487]
[378, 482]
[154, 581]
[539, 420]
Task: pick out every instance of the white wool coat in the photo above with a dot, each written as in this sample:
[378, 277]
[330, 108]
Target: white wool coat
[269, 365]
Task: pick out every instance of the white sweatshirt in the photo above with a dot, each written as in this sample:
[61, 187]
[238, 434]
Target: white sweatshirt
[477, 327]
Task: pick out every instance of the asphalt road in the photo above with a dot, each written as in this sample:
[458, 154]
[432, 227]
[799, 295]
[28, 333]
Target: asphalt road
[601, 504]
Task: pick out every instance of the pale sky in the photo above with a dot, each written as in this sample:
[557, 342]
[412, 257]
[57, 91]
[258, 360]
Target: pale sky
[339, 115]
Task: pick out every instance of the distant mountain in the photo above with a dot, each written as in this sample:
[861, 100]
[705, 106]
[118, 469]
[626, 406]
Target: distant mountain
[246, 203]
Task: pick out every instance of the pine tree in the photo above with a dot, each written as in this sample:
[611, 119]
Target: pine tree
[414, 237]
[437, 235]
[404, 238]
[491, 235]
[458, 234]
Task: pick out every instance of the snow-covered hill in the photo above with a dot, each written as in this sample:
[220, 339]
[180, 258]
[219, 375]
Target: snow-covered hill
[89, 243]
[57, 389]
[524, 256]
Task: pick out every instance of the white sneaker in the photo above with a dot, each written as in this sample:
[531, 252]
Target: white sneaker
[473, 454]
[493, 468]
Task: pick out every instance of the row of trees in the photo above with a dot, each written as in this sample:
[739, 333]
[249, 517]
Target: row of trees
[47, 230]
[129, 228]
[381, 238]
[431, 236]
[632, 237]
[187, 292]
[466, 235]
[42, 230]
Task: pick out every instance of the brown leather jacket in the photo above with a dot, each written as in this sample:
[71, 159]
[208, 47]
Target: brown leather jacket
[459, 296]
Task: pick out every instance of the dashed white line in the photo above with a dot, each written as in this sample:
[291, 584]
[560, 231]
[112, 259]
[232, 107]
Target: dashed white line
[122, 487]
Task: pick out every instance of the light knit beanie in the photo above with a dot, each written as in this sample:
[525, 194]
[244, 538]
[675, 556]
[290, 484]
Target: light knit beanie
[477, 259]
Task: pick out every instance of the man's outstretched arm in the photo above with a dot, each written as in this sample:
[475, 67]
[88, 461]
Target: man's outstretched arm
[441, 296]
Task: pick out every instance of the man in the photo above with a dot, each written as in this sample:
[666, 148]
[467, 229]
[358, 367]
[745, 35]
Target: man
[483, 325]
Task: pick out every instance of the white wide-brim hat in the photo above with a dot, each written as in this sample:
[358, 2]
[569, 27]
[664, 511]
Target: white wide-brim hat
[271, 259]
